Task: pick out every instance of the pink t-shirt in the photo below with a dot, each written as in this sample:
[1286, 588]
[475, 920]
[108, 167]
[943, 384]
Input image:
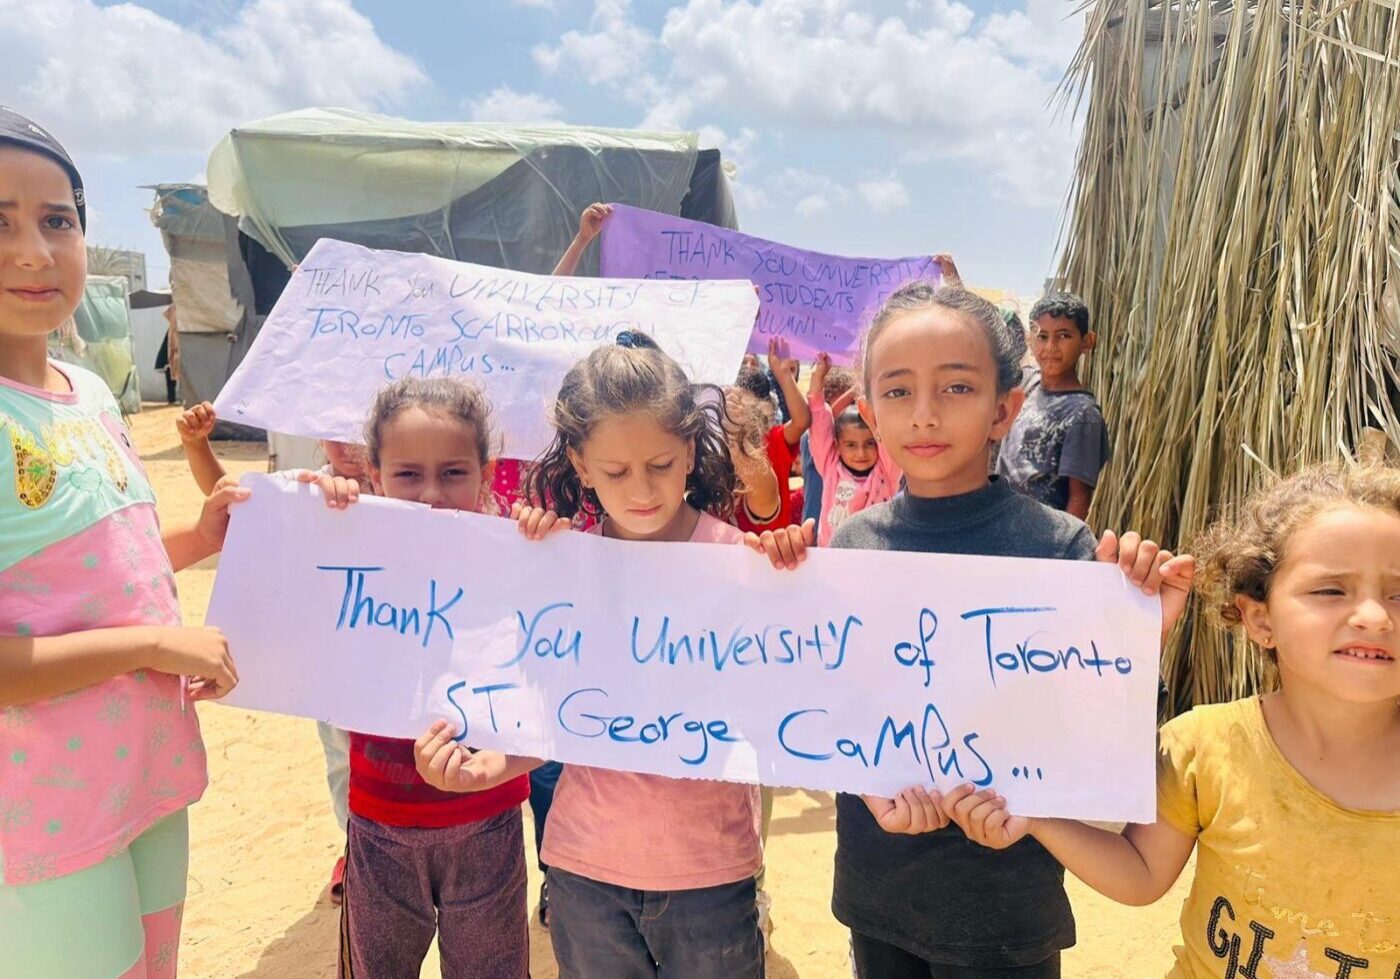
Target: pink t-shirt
[85, 773]
[843, 492]
[649, 832]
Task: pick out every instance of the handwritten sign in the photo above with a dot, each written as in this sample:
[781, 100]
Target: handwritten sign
[860, 671]
[353, 319]
[816, 302]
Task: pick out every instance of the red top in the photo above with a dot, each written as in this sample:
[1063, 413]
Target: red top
[780, 456]
[385, 787]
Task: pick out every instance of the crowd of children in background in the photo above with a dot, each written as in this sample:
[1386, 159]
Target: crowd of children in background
[1291, 800]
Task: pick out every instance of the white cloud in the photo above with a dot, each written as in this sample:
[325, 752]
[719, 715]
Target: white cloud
[504, 104]
[122, 80]
[929, 75]
[884, 194]
[609, 53]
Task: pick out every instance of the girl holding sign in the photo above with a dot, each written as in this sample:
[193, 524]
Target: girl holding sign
[941, 369]
[421, 862]
[100, 749]
[636, 448]
[1291, 800]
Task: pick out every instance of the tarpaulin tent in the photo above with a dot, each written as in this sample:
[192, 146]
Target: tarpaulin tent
[99, 338]
[209, 319]
[505, 196]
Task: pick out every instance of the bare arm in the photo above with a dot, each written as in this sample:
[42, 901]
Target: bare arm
[1135, 867]
[1081, 494]
[204, 464]
[784, 369]
[195, 426]
[35, 668]
[589, 224]
[760, 484]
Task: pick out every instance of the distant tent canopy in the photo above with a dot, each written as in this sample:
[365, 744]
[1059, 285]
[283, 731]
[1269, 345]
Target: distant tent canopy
[209, 319]
[99, 338]
[504, 196]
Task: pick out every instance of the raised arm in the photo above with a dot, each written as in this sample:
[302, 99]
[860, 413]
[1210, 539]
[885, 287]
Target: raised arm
[195, 426]
[784, 369]
[590, 222]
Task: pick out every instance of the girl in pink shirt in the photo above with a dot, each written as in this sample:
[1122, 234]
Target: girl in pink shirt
[856, 470]
[648, 876]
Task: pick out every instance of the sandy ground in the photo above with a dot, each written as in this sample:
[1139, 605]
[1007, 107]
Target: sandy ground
[264, 840]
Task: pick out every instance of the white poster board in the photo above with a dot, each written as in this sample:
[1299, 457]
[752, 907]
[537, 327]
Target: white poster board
[352, 319]
[860, 671]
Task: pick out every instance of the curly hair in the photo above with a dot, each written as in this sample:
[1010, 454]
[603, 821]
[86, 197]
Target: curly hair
[1239, 554]
[627, 380]
[838, 381]
[1063, 305]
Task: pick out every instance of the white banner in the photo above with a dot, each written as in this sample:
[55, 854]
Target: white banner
[353, 319]
[860, 671]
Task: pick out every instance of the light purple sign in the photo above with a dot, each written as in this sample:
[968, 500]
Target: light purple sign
[815, 302]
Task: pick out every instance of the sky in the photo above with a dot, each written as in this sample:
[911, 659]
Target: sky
[874, 128]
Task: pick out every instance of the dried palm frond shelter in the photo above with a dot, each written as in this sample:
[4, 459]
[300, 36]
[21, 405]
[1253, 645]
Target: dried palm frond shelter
[1234, 226]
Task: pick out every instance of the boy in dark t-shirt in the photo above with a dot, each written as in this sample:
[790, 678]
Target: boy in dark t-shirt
[1059, 442]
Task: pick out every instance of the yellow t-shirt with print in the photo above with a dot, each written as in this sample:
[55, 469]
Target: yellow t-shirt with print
[1289, 885]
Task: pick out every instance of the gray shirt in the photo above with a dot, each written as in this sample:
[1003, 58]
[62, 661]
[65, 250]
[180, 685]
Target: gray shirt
[1058, 435]
[939, 896]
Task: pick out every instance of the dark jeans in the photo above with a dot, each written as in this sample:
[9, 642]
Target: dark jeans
[542, 782]
[879, 960]
[466, 884]
[601, 931]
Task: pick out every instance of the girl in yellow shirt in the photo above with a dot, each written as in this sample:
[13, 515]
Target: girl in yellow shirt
[1291, 799]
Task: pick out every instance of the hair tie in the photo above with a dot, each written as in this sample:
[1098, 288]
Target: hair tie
[627, 339]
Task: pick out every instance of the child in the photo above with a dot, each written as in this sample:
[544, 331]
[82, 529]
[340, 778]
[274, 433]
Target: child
[940, 375]
[758, 497]
[838, 381]
[421, 862]
[347, 462]
[1059, 443]
[638, 449]
[856, 472]
[100, 749]
[1291, 799]
[780, 441]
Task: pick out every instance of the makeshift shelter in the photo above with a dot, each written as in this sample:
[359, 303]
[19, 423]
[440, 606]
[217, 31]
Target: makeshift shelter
[207, 316]
[148, 331]
[505, 196]
[98, 337]
[1233, 228]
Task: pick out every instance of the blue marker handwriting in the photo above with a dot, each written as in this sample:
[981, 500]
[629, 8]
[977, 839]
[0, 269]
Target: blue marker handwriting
[1026, 658]
[582, 714]
[928, 744]
[782, 645]
[359, 610]
[537, 638]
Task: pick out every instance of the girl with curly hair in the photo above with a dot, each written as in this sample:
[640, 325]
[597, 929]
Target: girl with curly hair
[1291, 800]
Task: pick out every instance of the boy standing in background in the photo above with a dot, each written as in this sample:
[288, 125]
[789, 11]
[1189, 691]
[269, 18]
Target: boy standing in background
[1059, 442]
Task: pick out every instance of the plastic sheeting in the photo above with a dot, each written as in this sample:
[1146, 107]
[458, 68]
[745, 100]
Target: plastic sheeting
[507, 196]
[194, 234]
[101, 339]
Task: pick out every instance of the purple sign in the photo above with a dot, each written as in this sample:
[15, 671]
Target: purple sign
[815, 302]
